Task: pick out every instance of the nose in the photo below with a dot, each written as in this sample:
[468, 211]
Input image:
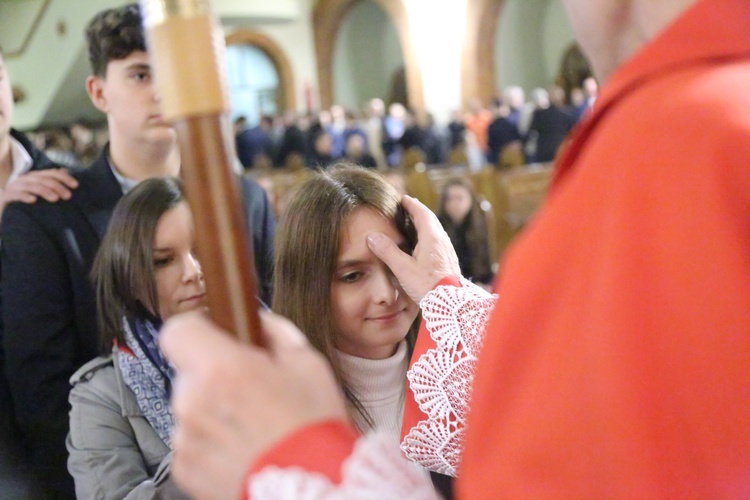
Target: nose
[156, 95]
[192, 269]
[386, 288]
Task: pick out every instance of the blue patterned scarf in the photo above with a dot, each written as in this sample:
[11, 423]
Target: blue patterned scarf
[148, 374]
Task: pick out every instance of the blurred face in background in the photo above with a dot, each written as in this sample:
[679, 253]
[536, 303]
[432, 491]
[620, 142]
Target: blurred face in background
[457, 203]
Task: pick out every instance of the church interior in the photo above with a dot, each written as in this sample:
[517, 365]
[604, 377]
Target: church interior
[332, 65]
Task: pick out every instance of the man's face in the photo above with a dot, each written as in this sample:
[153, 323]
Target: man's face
[6, 100]
[127, 95]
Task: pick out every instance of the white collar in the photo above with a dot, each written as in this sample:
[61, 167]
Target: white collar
[20, 158]
[126, 183]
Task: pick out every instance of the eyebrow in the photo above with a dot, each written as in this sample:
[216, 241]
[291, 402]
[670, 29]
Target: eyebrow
[350, 263]
[161, 250]
[358, 262]
[138, 66]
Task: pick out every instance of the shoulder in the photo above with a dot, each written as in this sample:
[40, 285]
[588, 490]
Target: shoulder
[254, 195]
[40, 160]
[691, 99]
[86, 373]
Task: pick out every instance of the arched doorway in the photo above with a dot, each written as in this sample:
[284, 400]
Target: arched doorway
[515, 42]
[477, 69]
[368, 59]
[250, 49]
[328, 16]
[574, 69]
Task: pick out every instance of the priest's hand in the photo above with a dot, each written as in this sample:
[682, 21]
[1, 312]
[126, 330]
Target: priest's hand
[232, 402]
[432, 260]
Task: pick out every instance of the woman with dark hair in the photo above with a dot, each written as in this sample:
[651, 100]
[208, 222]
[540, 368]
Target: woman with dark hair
[120, 419]
[462, 218]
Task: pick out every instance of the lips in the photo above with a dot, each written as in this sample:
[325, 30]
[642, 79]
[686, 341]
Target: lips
[195, 298]
[387, 317]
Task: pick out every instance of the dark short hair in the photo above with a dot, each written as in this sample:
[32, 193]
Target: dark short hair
[123, 270]
[114, 34]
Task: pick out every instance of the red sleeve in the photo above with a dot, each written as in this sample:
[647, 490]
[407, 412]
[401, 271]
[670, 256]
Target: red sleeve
[321, 448]
[412, 413]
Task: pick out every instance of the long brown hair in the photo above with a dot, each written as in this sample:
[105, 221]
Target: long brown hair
[307, 248]
[123, 270]
[476, 229]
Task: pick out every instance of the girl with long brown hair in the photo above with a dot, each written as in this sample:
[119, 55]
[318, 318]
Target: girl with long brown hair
[341, 295]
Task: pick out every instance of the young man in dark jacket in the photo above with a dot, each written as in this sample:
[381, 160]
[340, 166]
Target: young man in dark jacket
[47, 251]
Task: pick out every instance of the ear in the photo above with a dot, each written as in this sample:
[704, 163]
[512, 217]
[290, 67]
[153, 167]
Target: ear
[95, 89]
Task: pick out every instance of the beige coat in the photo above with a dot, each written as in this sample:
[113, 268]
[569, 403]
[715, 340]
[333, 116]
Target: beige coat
[114, 451]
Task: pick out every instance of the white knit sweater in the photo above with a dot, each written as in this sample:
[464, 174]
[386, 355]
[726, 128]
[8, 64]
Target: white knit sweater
[379, 384]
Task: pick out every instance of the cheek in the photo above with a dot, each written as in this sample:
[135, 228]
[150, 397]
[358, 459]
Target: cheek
[413, 311]
[166, 282]
[346, 305]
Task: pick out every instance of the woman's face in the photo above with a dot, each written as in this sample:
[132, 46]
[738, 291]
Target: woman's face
[372, 312]
[177, 273]
[457, 203]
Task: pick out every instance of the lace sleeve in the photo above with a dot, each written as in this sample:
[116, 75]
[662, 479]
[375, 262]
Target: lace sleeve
[442, 378]
[375, 469]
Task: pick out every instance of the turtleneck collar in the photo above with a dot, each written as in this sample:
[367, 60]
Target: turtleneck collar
[373, 380]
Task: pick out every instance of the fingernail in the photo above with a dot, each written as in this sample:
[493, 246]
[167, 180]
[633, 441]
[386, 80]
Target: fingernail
[374, 238]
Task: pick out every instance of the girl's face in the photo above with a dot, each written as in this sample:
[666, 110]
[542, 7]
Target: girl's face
[372, 312]
[177, 274]
[457, 203]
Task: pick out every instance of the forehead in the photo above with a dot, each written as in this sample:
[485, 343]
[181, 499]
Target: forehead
[137, 58]
[457, 189]
[358, 225]
[177, 222]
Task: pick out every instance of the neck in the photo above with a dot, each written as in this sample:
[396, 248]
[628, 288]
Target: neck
[654, 17]
[642, 21]
[144, 160]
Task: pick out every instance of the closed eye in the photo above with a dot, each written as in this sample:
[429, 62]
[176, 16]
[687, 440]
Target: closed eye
[351, 277]
[162, 261]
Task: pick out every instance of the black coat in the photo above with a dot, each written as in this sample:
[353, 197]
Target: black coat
[10, 442]
[500, 133]
[49, 309]
[552, 126]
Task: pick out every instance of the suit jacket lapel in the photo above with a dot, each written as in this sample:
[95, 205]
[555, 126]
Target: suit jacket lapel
[98, 193]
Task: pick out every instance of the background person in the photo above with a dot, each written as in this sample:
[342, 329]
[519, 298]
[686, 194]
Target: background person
[465, 222]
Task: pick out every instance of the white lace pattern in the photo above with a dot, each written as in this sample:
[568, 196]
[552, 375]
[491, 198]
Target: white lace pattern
[375, 470]
[442, 378]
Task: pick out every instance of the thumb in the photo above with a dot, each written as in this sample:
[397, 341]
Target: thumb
[386, 250]
[280, 333]
[189, 339]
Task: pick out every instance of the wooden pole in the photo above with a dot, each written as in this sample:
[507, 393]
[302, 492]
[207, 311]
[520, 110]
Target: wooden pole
[186, 47]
